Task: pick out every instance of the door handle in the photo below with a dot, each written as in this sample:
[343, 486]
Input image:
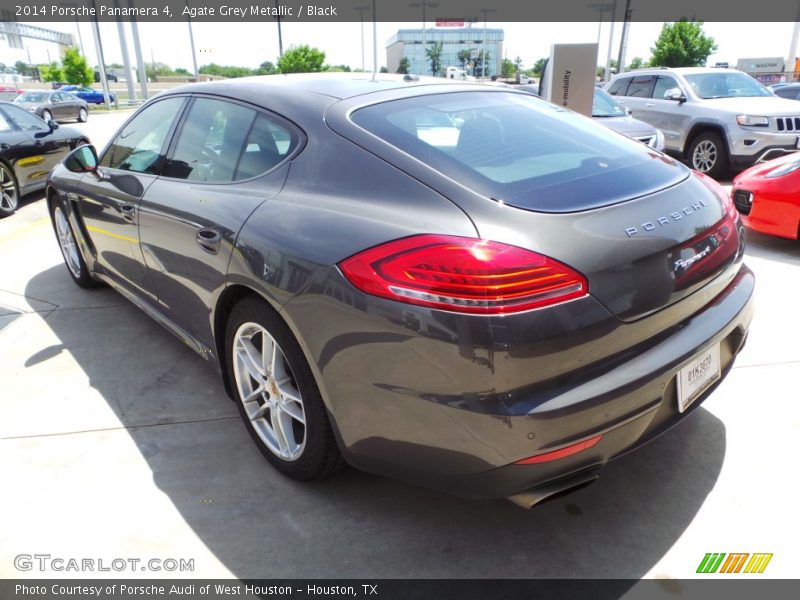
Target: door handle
[209, 240]
[128, 212]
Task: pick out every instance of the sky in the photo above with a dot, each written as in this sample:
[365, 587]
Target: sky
[250, 44]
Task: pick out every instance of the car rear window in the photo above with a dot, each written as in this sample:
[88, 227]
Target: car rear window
[520, 150]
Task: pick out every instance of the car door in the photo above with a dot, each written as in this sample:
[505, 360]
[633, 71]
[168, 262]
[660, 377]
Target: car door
[670, 116]
[227, 158]
[638, 96]
[110, 197]
[58, 106]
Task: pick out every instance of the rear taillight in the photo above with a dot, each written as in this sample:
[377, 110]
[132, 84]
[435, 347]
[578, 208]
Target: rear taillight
[461, 274]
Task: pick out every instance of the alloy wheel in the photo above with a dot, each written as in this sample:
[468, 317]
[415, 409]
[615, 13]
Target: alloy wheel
[268, 391]
[67, 242]
[705, 156]
[9, 195]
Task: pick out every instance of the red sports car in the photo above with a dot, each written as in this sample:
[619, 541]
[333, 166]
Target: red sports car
[768, 196]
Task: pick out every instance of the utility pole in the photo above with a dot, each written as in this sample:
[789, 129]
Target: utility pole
[361, 10]
[610, 40]
[280, 35]
[424, 4]
[485, 12]
[191, 43]
[623, 42]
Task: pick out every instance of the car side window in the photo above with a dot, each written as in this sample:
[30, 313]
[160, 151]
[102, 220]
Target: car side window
[141, 144]
[641, 87]
[619, 87]
[663, 83]
[784, 93]
[268, 143]
[5, 124]
[25, 120]
[210, 141]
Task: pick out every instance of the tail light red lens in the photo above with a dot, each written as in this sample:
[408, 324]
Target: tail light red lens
[562, 453]
[461, 274]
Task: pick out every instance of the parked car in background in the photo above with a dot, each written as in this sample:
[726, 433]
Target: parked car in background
[89, 95]
[768, 196]
[29, 148]
[53, 104]
[790, 91]
[610, 113]
[8, 93]
[711, 118]
[109, 76]
[496, 312]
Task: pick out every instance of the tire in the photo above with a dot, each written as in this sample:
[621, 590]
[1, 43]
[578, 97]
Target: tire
[70, 250]
[9, 191]
[279, 402]
[47, 116]
[709, 154]
[83, 115]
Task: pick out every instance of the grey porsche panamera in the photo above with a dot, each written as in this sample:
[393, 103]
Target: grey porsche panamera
[463, 287]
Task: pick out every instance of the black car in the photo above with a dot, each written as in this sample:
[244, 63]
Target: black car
[457, 285]
[29, 148]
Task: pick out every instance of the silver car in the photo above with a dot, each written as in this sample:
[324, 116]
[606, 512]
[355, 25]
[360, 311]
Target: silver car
[53, 105]
[712, 118]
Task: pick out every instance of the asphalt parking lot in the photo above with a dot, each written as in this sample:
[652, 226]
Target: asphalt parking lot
[117, 441]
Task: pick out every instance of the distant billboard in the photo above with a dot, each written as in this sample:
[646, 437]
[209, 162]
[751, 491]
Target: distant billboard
[761, 65]
[449, 23]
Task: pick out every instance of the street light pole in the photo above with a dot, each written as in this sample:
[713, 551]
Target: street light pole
[191, 43]
[485, 12]
[424, 4]
[361, 10]
[623, 41]
[611, 40]
[374, 42]
[280, 35]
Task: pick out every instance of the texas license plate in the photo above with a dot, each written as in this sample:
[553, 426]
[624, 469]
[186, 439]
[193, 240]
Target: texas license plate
[697, 376]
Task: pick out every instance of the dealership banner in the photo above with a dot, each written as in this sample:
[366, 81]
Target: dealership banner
[395, 589]
[441, 11]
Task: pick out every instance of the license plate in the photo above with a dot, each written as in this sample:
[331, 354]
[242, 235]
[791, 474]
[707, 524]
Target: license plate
[694, 378]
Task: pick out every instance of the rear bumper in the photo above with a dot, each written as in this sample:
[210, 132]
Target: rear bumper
[450, 402]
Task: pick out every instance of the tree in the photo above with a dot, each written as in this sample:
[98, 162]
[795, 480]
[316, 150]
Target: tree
[23, 69]
[383, 70]
[301, 59]
[507, 69]
[266, 68]
[182, 71]
[538, 67]
[76, 69]
[463, 57]
[434, 54]
[51, 72]
[682, 44]
[154, 69]
[518, 64]
[337, 68]
[402, 68]
[477, 63]
[637, 63]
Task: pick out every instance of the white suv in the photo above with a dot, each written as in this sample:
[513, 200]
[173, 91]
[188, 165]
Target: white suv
[712, 118]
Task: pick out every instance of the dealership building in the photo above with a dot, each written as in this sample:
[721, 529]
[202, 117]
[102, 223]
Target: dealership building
[407, 43]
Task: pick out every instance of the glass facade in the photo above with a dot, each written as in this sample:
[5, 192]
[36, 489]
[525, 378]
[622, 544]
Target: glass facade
[407, 43]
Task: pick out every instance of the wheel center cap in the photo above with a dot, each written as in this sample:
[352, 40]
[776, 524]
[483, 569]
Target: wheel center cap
[272, 387]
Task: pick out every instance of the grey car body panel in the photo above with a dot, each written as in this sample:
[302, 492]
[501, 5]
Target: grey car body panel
[446, 399]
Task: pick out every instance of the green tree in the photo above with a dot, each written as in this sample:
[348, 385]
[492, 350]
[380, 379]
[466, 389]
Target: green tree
[402, 68]
[24, 69]
[182, 71]
[434, 54]
[507, 69]
[225, 70]
[383, 70]
[538, 67]
[266, 68]
[76, 69]
[682, 44]
[337, 68]
[637, 63]
[478, 62]
[154, 69]
[464, 57]
[301, 59]
[51, 72]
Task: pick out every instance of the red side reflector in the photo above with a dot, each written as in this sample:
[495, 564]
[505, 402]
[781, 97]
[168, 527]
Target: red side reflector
[561, 453]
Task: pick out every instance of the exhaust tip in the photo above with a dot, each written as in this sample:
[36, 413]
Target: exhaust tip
[549, 491]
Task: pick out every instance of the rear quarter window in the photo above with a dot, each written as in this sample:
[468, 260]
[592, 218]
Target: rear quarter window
[619, 87]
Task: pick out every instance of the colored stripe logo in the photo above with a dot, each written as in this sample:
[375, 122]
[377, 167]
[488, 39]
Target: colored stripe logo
[733, 563]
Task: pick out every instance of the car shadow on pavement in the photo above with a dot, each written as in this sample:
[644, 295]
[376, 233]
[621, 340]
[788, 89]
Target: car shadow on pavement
[258, 523]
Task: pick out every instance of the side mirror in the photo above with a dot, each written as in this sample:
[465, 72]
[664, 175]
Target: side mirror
[82, 160]
[675, 94]
[51, 127]
[628, 110]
